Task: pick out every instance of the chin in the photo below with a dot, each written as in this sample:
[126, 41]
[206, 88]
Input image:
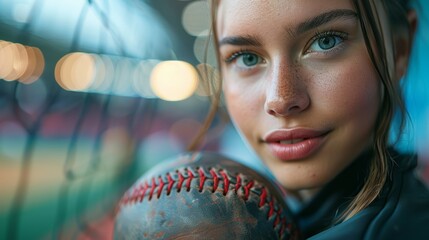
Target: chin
[295, 186]
[295, 180]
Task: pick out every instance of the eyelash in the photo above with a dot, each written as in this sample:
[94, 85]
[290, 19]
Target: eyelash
[331, 33]
[237, 54]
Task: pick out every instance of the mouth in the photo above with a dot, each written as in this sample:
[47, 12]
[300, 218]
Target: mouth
[295, 144]
[292, 141]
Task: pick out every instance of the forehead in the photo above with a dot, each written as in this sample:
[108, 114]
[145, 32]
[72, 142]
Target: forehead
[245, 15]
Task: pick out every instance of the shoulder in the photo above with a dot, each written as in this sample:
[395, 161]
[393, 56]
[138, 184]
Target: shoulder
[405, 211]
[401, 212]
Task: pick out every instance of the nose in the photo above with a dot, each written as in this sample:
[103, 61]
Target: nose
[286, 94]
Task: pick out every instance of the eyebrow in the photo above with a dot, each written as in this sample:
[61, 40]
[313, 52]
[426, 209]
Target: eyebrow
[247, 40]
[324, 18]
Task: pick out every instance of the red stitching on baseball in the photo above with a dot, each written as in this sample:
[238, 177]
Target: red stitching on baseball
[161, 186]
[152, 189]
[202, 179]
[215, 180]
[225, 182]
[188, 184]
[170, 184]
[247, 190]
[143, 188]
[238, 183]
[180, 182]
[138, 192]
[139, 197]
[263, 197]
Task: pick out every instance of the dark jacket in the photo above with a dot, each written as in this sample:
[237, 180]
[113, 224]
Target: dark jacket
[400, 212]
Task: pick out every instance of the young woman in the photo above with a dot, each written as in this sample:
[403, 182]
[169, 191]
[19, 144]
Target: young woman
[312, 86]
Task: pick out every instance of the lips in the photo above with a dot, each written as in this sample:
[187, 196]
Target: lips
[294, 144]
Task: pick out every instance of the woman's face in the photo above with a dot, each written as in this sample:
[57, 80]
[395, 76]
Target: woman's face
[299, 85]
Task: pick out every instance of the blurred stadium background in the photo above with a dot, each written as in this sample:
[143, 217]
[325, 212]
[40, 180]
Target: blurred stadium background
[86, 106]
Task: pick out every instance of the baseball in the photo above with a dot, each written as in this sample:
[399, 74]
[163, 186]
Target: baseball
[204, 196]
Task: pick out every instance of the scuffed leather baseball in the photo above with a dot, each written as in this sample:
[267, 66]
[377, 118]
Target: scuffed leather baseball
[204, 196]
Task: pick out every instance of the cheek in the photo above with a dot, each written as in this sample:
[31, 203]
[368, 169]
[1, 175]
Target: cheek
[243, 103]
[363, 95]
[352, 91]
[235, 101]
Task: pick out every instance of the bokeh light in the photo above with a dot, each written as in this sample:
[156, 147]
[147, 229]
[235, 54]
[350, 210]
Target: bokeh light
[7, 57]
[75, 71]
[36, 65]
[121, 76]
[104, 75]
[174, 80]
[19, 62]
[195, 18]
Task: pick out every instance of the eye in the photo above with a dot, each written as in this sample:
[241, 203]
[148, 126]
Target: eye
[245, 60]
[248, 60]
[324, 42]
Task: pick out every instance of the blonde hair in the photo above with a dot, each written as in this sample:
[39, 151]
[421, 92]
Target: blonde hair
[378, 40]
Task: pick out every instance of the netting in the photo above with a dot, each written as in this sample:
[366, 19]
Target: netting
[66, 156]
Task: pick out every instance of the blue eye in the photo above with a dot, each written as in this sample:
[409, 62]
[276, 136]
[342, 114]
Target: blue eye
[245, 60]
[248, 60]
[326, 42]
